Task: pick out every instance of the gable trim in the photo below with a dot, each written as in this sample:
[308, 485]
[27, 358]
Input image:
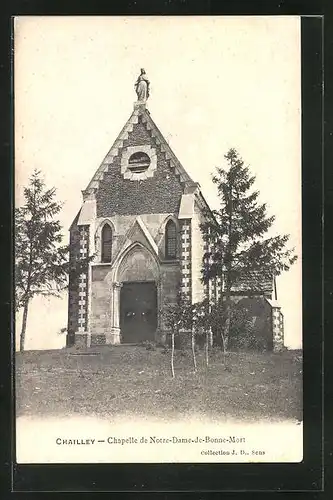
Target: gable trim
[119, 143]
[147, 234]
[151, 244]
[165, 148]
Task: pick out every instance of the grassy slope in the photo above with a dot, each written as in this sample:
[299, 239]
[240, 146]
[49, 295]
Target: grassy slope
[132, 380]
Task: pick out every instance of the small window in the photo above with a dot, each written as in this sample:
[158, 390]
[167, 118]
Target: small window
[170, 240]
[106, 243]
[138, 162]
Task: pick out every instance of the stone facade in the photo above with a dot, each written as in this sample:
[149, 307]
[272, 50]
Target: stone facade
[138, 192]
[136, 203]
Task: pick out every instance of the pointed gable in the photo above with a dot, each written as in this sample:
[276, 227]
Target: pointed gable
[145, 129]
[140, 234]
[119, 191]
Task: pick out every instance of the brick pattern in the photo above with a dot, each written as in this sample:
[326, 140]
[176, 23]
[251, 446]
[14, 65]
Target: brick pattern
[277, 329]
[83, 281]
[73, 297]
[185, 259]
[142, 116]
[158, 194]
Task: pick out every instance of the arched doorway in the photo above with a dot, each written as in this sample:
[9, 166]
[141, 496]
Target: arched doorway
[138, 273]
[138, 311]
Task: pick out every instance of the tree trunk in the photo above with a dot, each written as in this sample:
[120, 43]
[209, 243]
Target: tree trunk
[224, 346]
[193, 349]
[226, 330]
[172, 353]
[206, 346]
[211, 341]
[227, 324]
[24, 325]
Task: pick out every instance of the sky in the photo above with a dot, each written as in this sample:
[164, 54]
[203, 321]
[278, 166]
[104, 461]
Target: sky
[216, 83]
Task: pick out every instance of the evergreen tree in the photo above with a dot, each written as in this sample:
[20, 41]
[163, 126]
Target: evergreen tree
[236, 234]
[41, 263]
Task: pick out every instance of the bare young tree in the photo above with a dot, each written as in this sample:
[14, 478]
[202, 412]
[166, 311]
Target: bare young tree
[177, 319]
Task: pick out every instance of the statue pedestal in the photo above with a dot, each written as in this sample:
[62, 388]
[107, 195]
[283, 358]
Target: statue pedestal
[140, 105]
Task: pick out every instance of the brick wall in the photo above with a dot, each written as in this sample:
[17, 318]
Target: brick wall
[186, 258]
[277, 329]
[73, 291]
[78, 282]
[159, 194]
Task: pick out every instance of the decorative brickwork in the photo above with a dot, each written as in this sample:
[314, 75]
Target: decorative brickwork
[83, 281]
[158, 194]
[277, 329]
[185, 259]
[78, 284]
[73, 294]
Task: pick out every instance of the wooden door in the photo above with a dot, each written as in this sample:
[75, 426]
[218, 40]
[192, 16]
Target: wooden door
[138, 311]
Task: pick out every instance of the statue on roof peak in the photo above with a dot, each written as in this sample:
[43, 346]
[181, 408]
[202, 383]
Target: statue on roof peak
[142, 86]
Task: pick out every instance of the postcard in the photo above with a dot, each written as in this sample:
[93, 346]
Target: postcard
[158, 285]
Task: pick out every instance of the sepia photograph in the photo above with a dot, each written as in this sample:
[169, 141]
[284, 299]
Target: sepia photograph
[158, 245]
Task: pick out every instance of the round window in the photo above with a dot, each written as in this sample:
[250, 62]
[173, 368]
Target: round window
[138, 162]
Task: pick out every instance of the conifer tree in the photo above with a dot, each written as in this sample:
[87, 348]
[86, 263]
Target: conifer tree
[237, 234]
[41, 263]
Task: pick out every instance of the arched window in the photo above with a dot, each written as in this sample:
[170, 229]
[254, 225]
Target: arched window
[106, 243]
[170, 240]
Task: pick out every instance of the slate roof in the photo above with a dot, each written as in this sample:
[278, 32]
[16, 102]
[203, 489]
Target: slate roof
[254, 281]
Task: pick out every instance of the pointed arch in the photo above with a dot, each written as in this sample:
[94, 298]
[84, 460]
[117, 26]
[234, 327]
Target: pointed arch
[162, 235]
[171, 239]
[106, 243]
[120, 265]
[124, 269]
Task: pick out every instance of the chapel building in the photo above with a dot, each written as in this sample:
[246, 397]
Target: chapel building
[140, 225]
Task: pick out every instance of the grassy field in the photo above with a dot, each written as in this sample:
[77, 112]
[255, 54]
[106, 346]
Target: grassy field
[131, 380]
